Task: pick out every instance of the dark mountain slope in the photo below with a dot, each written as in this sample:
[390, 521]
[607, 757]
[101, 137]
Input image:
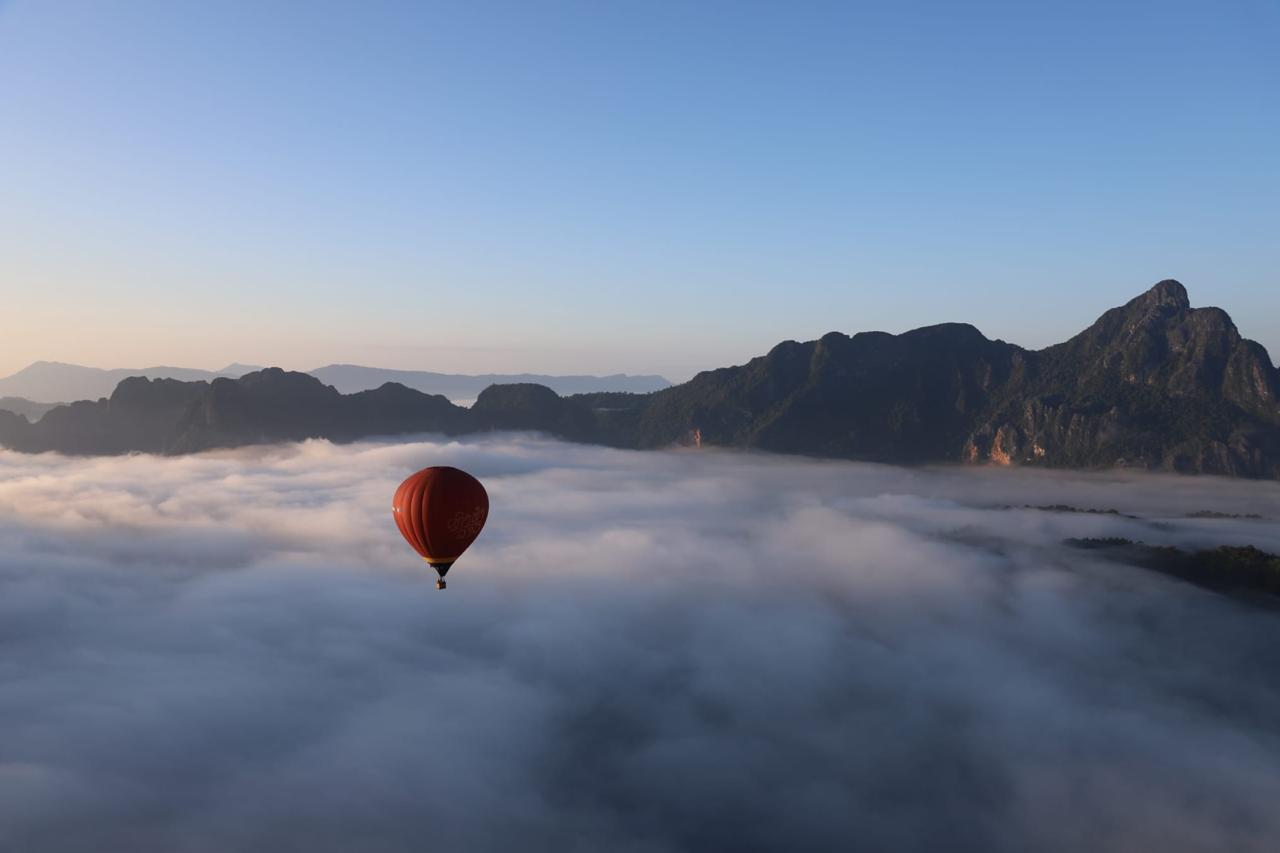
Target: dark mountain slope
[526, 406]
[275, 405]
[902, 398]
[1152, 384]
[51, 380]
[29, 409]
[139, 415]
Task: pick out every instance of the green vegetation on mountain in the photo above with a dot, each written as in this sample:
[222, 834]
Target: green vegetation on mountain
[1226, 568]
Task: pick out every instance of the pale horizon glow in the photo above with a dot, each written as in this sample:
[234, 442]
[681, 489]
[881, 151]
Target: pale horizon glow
[603, 188]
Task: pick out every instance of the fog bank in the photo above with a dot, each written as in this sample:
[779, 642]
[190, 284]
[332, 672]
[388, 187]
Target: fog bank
[642, 652]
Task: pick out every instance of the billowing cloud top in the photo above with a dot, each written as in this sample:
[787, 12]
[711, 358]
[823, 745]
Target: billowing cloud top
[642, 652]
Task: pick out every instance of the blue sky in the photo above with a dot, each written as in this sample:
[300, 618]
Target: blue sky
[648, 187]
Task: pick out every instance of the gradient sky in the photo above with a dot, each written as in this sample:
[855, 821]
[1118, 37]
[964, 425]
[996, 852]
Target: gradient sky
[592, 187]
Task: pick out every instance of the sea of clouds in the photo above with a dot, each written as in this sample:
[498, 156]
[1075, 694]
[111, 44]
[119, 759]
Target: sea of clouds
[235, 651]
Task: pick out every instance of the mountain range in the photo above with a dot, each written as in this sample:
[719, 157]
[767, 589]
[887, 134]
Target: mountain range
[1152, 384]
[29, 409]
[45, 381]
[51, 380]
[352, 378]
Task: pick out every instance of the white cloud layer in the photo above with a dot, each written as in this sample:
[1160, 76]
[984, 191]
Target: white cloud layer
[642, 652]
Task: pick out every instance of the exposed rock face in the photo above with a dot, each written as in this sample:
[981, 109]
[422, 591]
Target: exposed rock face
[1152, 384]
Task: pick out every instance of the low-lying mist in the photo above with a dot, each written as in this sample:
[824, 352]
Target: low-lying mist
[235, 651]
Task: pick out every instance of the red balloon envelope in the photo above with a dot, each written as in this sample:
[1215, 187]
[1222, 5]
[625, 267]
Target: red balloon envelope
[440, 512]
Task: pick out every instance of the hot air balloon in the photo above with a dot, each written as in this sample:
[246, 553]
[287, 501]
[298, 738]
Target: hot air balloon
[440, 512]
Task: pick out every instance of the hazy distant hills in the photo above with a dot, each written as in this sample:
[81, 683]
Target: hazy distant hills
[47, 381]
[350, 378]
[29, 409]
[141, 414]
[1153, 384]
[52, 380]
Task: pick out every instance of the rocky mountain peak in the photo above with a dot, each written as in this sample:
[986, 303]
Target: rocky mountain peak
[277, 381]
[1168, 294]
[141, 393]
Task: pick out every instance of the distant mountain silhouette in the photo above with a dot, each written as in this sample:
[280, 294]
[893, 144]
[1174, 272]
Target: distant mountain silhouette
[350, 378]
[53, 380]
[47, 381]
[140, 414]
[276, 405]
[1154, 384]
[235, 369]
[29, 409]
